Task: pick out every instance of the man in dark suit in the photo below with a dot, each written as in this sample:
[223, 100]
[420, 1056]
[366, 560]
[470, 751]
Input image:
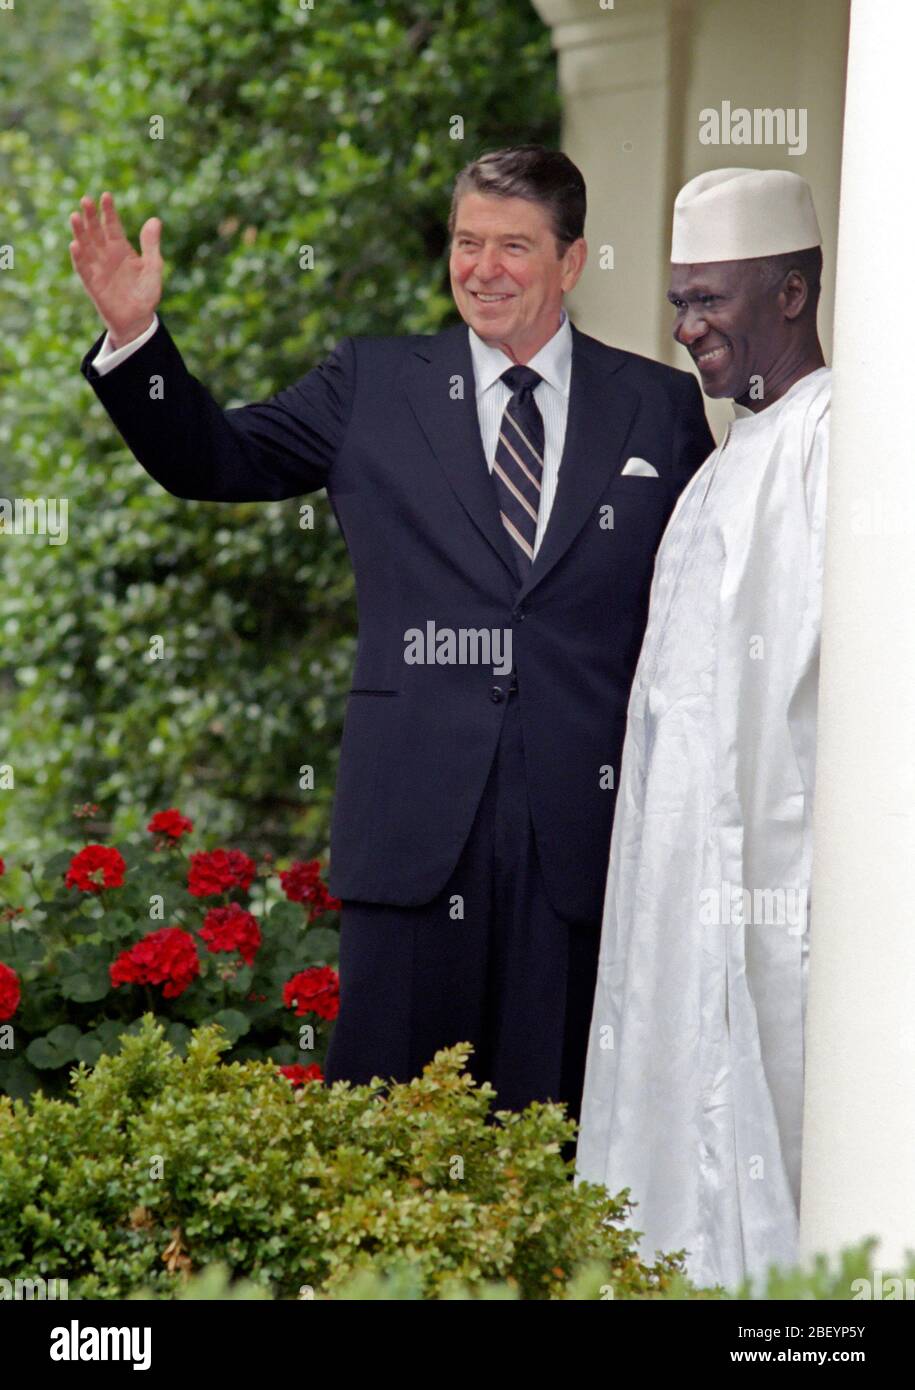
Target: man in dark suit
[502, 487]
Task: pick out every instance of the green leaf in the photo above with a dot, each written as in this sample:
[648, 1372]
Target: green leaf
[287, 916]
[241, 985]
[89, 1049]
[27, 946]
[65, 1037]
[321, 943]
[116, 926]
[233, 1022]
[17, 1078]
[136, 855]
[179, 1035]
[110, 1033]
[45, 1055]
[86, 986]
[55, 867]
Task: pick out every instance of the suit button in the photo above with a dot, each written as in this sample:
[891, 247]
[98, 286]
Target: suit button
[496, 694]
[519, 615]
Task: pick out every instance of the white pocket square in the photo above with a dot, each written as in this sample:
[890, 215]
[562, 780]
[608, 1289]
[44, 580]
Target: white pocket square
[639, 468]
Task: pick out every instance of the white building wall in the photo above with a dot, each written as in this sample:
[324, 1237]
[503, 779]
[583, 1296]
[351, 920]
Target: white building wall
[634, 80]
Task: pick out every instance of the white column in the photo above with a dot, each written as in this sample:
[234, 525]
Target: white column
[618, 93]
[859, 1130]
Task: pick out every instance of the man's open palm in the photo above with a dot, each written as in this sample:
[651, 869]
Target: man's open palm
[123, 286]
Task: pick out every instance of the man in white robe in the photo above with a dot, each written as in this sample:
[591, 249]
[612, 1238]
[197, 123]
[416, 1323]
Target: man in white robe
[694, 1086]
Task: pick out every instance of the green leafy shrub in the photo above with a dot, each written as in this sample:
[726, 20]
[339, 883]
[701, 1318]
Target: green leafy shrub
[110, 931]
[283, 127]
[161, 1165]
[850, 1275]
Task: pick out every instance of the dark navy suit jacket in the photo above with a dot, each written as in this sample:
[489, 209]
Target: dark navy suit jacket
[389, 426]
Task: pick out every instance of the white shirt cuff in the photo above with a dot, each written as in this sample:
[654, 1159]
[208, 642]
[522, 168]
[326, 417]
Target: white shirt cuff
[108, 357]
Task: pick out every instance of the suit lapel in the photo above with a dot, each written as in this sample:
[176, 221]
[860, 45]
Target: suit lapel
[599, 418]
[452, 427]
[600, 414]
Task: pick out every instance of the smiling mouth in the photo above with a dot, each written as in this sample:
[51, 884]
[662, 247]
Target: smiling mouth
[490, 298]
[709, 358]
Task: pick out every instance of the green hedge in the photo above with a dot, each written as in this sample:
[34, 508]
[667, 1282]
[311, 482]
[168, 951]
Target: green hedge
[283, 127]
[822, 1280]
[159, 1165]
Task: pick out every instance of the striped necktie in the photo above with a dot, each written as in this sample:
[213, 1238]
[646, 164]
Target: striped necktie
[518, 466]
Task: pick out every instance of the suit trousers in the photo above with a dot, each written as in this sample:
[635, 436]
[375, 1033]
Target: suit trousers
[487, 961]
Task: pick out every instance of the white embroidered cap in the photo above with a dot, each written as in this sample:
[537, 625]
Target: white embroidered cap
[739, 214]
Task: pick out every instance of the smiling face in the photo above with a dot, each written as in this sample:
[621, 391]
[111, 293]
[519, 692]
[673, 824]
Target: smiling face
[506, 276]
[729, 321]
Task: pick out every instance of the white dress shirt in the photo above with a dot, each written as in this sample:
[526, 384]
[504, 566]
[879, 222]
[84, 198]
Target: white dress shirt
[108, 357]
[553, 362]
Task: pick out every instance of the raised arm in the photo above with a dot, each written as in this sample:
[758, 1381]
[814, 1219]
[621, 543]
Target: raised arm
[124, 287]
[266, 451]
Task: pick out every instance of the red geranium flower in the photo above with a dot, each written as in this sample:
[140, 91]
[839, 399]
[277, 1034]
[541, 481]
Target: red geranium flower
[10, 992]
[300, 880]
[165, 957]
[298, 1074]
[170, 823]
[232, 929]
[2, 868]
[313, 991]
[302, 883]
[96, 867]
[219, 871]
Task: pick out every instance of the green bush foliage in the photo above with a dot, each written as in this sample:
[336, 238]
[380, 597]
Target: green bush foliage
[281, 127]
[159, 1165]
[823, 1279]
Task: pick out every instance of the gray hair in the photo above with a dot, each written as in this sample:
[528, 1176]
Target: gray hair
[543, 176]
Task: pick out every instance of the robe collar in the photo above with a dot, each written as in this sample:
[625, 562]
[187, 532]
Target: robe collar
[743, 412]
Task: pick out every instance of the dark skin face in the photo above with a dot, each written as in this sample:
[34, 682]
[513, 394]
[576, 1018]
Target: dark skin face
[735, 327]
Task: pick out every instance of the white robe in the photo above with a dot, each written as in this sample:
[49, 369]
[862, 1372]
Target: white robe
[694, 1086]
